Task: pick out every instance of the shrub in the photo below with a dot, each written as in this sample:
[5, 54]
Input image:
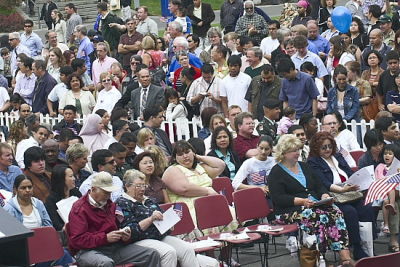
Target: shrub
[9, 4]
[11, 23]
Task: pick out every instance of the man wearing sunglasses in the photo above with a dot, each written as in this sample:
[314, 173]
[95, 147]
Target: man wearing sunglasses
[16, 48]
[103, 161]
[31, 39]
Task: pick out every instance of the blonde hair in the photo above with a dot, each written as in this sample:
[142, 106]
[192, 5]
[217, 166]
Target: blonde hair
[105, 74]
[160, 161]
[142, 135]
[148, 43]
[230, 36]
[131, 176]
[286, 143]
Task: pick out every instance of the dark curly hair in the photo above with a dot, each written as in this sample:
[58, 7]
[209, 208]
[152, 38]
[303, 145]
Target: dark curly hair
[216, 133]
[182, 146]
[316, 143]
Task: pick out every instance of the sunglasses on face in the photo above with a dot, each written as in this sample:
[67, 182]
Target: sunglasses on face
[327, 147]
[106, 80]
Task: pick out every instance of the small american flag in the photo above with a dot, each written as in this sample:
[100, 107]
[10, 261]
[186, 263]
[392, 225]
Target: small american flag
[381, 187]
[119, 214]
[257, 178]
[179, 210]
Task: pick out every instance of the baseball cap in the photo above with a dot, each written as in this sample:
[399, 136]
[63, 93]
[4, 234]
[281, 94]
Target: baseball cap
[98, 38]
[385, 19]
[104, 181]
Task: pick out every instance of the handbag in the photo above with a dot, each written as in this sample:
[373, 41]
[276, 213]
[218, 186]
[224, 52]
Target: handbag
[346, 197]
[308, 257]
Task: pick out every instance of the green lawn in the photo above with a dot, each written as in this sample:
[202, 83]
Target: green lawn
[155, 5]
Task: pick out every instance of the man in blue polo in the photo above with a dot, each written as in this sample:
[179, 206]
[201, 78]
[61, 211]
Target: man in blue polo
[298, 89]
[8, 172]
[320, 42]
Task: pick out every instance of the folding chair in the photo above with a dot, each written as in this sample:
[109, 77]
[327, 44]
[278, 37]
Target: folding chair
[119, 265]
[378, 261]
[223, 186]
[244, 202]
[357, 154]
[213, 211]
[44, 245]
[185, 225]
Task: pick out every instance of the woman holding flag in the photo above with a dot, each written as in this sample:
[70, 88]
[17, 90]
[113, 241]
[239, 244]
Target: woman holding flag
[333, 170]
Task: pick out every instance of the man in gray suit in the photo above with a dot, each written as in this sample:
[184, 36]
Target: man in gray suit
[145, 95]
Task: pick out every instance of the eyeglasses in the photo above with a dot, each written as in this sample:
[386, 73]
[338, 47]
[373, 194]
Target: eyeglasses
[106, 80]
[141, 186]
[112, 162]
[189, 41]
[248, 8]
[327, 147]
[11, 39]
[133, 63]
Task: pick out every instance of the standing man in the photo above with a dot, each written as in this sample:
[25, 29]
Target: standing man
[17, 48]
[110, 34]
[202, 15]
[376, 43]
[102, 63]
[129, 43]
[94, 234]
[387, 79]
[8, 172]
[73, 20]
[234, 86]
[85, 46]
[268, 125]
[146, 95]
[51, 36]
[303, 55]
[270, 43]
[145, 25]
[31, 39]
[231, 10]
[320, 42]
[265, 86]
[254, 58]
[251, 24]
[25, 84]
[298, 89]
[46, 13]
[385, 24]
[44, 84]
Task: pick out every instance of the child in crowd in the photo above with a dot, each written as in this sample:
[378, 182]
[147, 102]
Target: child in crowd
[390, 205]
[288, 119]
[175, 108]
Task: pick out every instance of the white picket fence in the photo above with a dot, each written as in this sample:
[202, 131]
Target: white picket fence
[182, 129]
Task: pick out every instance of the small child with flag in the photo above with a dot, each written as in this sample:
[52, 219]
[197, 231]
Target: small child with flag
[391, 153]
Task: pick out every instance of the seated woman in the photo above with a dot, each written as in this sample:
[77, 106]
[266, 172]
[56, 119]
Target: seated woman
[256, 169]
[222, 148]
[155, 188]
[139, 214]
[294, 188]
[215, 121]
[145, 137]
[190, 175]
[62, 187]
[333, 170]
[31, 212]
[109, 95]
[92, 133]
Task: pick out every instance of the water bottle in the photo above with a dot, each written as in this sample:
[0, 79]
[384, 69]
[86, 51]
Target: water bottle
[322, 261]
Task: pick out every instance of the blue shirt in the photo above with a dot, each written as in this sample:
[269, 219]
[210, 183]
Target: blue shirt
[193, 60]
[33, 42]
[299, 93]
[7, 179]
[393, 96]
[314, 59]
[84, 50]
[321, 43]
[312, 47]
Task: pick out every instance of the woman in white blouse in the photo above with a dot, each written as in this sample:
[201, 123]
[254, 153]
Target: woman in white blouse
[55, 61]
[59, 26]
[82, 100]
[109, 95]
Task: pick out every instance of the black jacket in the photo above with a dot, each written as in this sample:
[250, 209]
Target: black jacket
[234, 159]
[207, 15]
[46, 14]
[284, 188]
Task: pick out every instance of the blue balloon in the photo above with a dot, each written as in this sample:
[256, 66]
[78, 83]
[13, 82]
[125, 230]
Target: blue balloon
[341, 19]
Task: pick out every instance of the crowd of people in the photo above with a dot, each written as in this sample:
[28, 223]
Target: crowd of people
[258, 86]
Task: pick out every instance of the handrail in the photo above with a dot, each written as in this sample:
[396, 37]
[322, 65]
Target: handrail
[38, 10]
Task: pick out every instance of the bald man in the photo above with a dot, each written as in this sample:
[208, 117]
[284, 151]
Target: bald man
[314, 37]
[376, 43]
[51, 151]
[14, 40]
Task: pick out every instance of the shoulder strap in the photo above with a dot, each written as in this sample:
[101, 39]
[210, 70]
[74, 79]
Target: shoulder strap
[209, 86]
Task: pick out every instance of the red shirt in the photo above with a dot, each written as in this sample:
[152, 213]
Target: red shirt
[242, 144]
[88, 226]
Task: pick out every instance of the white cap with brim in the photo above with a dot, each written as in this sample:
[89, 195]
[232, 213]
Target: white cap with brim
[104, 181]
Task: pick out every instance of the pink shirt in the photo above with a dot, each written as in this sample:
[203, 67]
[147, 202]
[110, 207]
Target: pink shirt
[99, 67]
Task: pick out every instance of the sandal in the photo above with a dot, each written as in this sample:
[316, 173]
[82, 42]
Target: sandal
[385, 229]
[391, 209]
[394, 248]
